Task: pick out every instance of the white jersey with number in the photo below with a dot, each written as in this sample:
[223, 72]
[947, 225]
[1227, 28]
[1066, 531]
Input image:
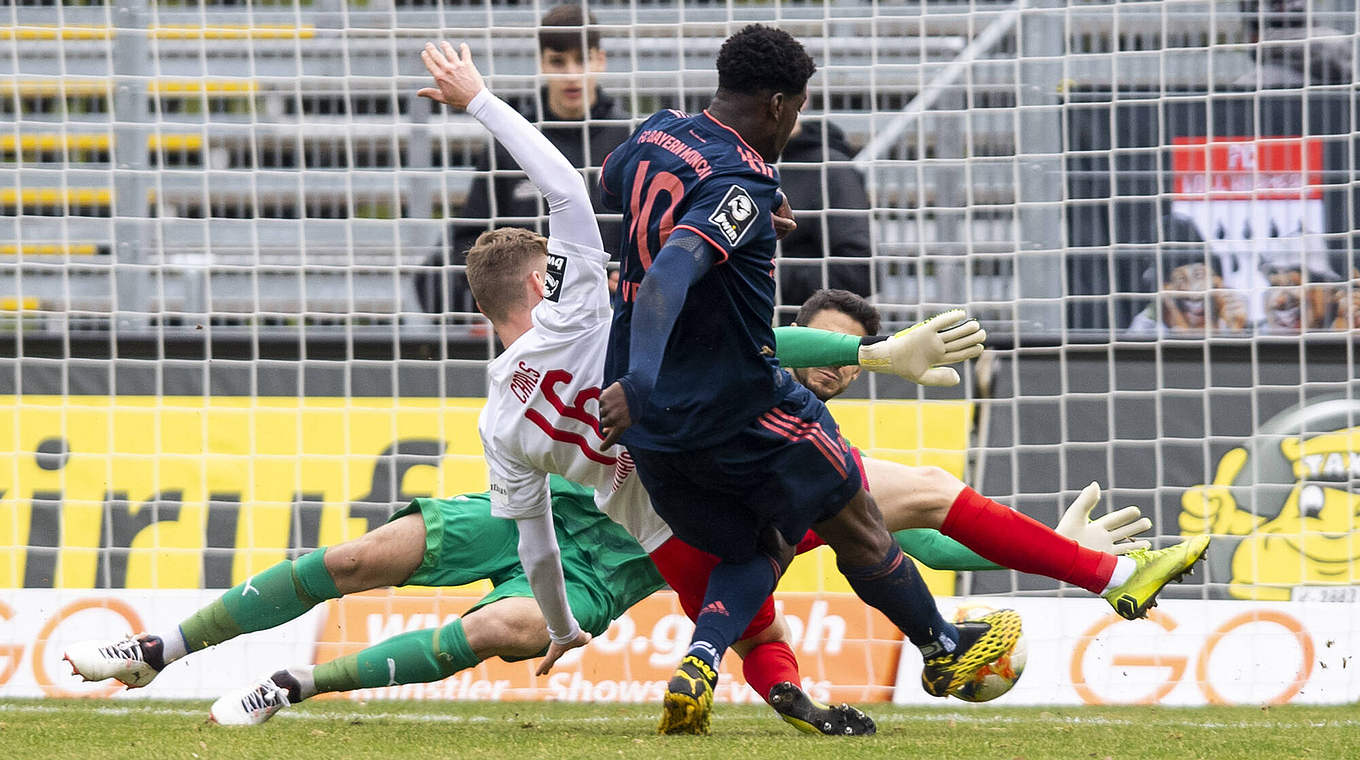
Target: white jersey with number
[542, 408]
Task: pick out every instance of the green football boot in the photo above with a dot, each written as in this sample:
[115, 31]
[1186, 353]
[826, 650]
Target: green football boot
[1134, 597]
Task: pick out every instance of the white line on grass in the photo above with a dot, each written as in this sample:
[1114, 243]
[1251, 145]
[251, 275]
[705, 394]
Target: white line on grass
[1100, 720]
[931, 717]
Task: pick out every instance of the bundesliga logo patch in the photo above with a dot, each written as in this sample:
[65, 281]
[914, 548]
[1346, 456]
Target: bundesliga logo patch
[552, 281]
[734, 215]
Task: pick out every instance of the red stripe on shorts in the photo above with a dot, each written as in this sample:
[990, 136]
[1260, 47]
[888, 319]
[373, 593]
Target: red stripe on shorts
[811, 431]
[779, 428]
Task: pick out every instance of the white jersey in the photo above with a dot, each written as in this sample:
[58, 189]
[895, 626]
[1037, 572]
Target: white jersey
[542, 408]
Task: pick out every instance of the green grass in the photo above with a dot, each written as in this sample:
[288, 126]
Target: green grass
[107, 730]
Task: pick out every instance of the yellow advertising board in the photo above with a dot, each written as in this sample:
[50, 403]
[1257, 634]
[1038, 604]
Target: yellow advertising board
[202, 492]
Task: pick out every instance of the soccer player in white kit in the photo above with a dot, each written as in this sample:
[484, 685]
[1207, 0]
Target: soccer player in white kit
[539, 421]
[543, 390]
[549, 307]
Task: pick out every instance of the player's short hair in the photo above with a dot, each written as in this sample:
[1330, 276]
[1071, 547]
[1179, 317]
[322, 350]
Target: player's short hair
[497, 264]
[847, 303]
[761, 59]
[552, 35]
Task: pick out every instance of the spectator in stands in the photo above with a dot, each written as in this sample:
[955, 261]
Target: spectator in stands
[570, 57]
[837, 239]
[1192, 298]
[1290, 52]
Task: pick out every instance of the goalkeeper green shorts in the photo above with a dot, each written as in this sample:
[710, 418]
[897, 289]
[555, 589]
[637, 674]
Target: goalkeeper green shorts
[606, 570]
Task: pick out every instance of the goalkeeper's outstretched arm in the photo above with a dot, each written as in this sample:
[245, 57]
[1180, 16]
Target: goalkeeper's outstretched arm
[917, 353]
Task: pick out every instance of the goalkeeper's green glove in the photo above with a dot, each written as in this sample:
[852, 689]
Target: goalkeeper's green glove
[917, 352]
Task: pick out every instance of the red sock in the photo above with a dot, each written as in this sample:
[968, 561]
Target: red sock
[1011, 539]
[768, 664]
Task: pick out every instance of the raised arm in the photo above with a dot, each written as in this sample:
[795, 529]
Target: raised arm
[460, 85]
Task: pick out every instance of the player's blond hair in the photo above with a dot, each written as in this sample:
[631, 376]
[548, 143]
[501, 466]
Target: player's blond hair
[497, 264]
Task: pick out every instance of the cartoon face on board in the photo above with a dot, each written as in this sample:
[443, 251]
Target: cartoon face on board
[1313, 540]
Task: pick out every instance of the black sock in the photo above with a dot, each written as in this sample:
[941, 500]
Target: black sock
[153, 651]
[895, 588]
[735, 593]
[286, 681]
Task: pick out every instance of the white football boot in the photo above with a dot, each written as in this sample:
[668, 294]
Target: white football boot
[251, 705]
[100, 660]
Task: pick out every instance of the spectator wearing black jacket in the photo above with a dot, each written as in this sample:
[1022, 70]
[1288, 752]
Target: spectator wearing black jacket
[500, 190]
[832, 210]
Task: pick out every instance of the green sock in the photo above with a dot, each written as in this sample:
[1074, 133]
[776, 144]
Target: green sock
[415, 657]
[268, 598]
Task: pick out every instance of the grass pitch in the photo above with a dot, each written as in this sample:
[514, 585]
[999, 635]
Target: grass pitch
[108, 730]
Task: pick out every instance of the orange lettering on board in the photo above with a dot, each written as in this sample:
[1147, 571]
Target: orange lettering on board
[846, 651]
[1174, 663]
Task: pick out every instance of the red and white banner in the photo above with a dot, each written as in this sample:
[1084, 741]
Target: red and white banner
[1258, 204]
[1246, 168]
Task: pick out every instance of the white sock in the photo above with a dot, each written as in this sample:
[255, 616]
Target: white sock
[1123, 570]
[173, 646]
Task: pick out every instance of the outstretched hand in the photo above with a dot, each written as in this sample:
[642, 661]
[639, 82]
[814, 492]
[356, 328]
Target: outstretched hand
[455, 75]
[555, 652]
[614, 415]
[919, 352]
[1111, 533]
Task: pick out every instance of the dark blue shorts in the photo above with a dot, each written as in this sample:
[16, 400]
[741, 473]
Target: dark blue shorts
[789, 469]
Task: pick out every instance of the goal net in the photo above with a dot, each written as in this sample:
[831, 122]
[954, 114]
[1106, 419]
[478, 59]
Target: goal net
[234, 325]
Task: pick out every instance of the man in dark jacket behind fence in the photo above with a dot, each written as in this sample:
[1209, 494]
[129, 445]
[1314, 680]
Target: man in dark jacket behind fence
[831, 247]
[570, 57]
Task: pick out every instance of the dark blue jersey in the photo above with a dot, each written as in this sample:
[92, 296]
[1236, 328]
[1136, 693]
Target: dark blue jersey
[682, 172]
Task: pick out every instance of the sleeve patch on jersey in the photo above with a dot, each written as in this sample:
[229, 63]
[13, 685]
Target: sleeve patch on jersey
[735, 215]
[552, 281]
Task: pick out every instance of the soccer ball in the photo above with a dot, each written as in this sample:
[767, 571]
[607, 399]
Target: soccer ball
[998, 676]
